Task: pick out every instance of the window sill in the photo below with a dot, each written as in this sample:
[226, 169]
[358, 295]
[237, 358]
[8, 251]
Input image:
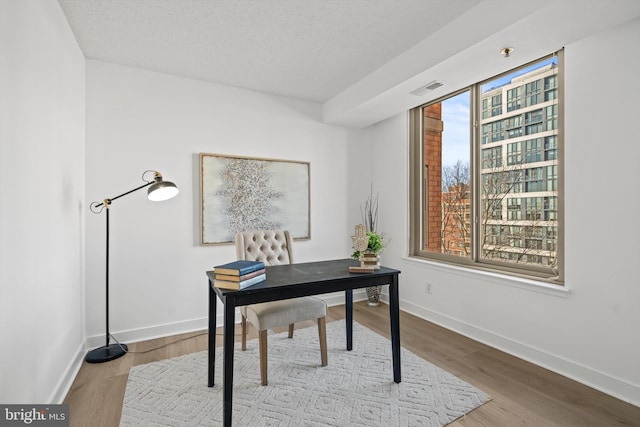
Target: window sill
[531, 285]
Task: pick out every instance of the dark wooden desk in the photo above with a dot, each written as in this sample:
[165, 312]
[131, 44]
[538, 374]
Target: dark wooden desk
[292, 281]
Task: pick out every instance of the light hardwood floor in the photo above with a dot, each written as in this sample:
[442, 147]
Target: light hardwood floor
[522, 394]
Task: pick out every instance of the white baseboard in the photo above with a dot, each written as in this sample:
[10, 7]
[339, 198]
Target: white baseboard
[69, 375]
[150, 332]
[615, 387]
[159, 331]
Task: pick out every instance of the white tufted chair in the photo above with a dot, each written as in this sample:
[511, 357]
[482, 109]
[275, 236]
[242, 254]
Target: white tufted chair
[273, 247]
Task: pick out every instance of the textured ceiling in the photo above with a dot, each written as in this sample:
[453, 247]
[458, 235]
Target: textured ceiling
[307, 49]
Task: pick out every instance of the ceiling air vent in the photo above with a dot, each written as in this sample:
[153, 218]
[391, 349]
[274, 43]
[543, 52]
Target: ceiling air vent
[429, 86]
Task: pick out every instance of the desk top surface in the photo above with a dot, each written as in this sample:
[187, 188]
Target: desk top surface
[313, 274]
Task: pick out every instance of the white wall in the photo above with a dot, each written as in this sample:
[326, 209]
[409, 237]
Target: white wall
[590, 333]
[42, 206]
[138, 120]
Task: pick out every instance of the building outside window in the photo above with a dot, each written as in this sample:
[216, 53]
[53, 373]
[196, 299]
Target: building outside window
[503, 206]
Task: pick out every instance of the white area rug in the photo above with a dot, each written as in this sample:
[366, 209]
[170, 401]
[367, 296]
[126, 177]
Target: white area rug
[356, 389]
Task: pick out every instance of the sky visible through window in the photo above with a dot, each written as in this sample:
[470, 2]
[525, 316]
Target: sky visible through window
[456, 134]
[456, 116]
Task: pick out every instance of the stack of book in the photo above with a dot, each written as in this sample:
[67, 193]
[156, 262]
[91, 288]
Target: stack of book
[239, 274]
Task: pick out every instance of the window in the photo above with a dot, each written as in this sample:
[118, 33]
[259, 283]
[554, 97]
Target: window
[533, 150]
[533, 180]
[492, 132]
[492, 105]
[550, 88]
[533, 92]
[513, 98]
[514, 153]
[552, 117]
[514, 126]
[551, 148]
[492, 157]
[489, 196]
[552, 178]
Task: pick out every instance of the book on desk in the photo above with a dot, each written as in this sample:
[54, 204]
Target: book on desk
[239, 268]
[233, 278]
[239, 274]
[227, 284]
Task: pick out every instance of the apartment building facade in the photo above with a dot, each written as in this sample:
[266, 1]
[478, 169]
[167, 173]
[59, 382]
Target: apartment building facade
[519, 176]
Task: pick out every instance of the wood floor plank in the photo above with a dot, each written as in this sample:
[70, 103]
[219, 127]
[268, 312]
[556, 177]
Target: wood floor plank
[522, 394]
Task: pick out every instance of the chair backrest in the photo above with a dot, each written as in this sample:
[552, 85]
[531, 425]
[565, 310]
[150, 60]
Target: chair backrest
[273, 247]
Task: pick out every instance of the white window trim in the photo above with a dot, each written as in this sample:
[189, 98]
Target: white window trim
[562, 291]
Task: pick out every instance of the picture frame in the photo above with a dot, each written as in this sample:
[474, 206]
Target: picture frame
[250, 193]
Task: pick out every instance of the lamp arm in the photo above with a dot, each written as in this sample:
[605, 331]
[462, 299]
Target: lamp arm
[131, 191]
[108, 201]
[161, 190]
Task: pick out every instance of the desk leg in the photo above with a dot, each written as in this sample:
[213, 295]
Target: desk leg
[348, 307]
[394, 314]
[227, 380]
[213, 301]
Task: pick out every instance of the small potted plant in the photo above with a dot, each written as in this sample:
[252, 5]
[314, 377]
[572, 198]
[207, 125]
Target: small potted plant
[374, 247]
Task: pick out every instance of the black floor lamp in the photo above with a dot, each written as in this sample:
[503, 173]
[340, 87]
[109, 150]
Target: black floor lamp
[158, 191]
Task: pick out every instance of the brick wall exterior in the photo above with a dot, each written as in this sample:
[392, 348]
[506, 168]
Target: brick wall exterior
[433, 127]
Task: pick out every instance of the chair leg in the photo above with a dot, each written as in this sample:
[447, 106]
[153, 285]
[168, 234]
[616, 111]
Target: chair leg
[291, 330]
[322, 334]
[244, 333]
[263, 356]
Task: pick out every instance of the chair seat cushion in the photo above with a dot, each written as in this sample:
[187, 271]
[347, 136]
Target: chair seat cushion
[270, 315]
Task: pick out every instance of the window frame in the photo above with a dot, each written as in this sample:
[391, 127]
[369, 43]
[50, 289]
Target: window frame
[417, 197]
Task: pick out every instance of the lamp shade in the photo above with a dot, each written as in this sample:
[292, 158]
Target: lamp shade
[162, 190]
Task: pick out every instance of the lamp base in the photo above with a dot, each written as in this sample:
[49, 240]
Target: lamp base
[106, 353]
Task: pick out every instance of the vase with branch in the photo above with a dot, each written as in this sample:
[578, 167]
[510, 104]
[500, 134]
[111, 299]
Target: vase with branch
[370, 256]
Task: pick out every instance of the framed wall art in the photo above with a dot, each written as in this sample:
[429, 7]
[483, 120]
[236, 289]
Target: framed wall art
[245, 193]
